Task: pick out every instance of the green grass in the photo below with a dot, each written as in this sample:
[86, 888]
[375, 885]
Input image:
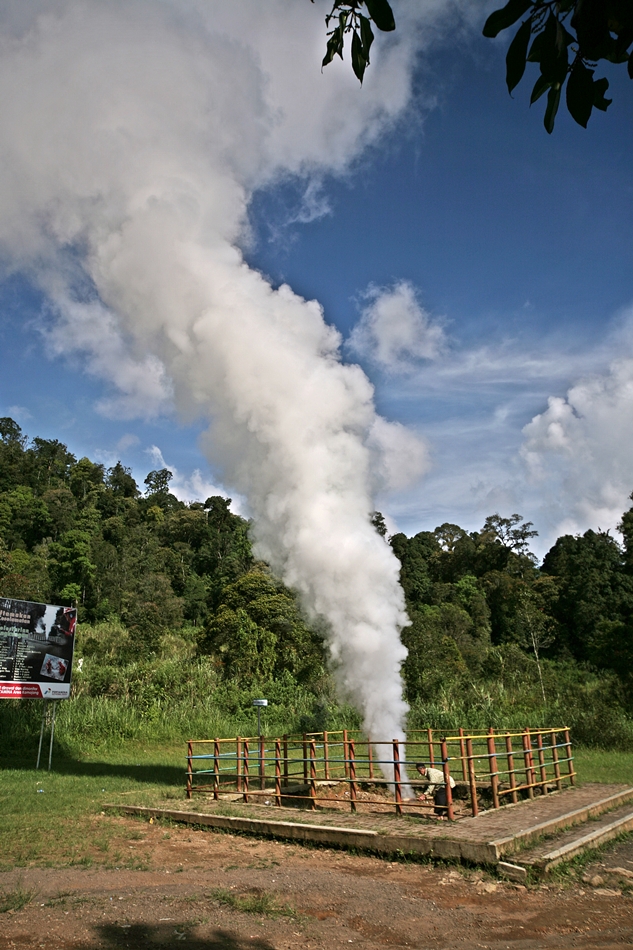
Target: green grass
[16, 899]
[598, 765]
[54, 818]
[262, 903]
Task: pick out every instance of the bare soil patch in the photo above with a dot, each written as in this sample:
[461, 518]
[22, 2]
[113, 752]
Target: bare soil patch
[161, 885]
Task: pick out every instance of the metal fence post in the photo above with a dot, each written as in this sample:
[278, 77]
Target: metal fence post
[370, 757]
[396, 777]
[462, 753]
[326, 758]
[429, 733]
[305, 757]
[246, 771]
[345, 754]
[285, 741]
[527, 756]
[492, 762]
[189, 769]
[541, 762]
[216, 769]
[554, 741]
[238, 759]
[512, 775]
[447, 780]
[352, 775]
[312, 774]
[472, 777]
[262, 763]
[570, 758]
[277, 772]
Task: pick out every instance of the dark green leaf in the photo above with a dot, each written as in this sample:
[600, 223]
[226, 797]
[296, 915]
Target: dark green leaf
[540, 86]
[366, 35]
[600, 86]
[502, 19]
[536, 50]
[553, 52]
[553, 99]
[580, 93]
[334, 44]
[382, 14]
[358, 57]
[516, 56]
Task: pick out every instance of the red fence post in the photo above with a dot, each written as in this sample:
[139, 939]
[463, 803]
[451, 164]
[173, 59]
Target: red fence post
[189, 769]
[492, 762]
[554, 741]
[238, 757]
[262, 763]
[216, 769]
[312, 774]
[529, 765]
[246, 771]
[352, 775]
[462, 753]
[447, 780]
[277, 772]
[512, 775]
[541, 762]
[472, 777]
[396, 777]
[570, 758]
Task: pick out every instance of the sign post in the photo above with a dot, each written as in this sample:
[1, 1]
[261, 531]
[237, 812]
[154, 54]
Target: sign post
[37, 642]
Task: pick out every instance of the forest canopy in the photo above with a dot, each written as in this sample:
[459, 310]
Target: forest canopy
[493, 635]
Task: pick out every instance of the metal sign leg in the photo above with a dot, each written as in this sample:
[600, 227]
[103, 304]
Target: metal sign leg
[50, 751]
[39, 751]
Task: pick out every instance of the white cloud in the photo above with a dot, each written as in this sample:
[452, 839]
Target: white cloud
[19, 413]
[196, 486]
[579, 452]
[395, 332]
[91, 332]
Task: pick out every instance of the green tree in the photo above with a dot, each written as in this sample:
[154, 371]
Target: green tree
[567, 38]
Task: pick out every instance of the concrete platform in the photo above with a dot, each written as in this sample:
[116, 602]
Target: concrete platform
[486, 839]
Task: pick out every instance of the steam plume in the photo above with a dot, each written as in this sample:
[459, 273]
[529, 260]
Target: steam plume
[133, 135]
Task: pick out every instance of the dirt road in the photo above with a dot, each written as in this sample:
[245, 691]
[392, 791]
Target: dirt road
[160, 885]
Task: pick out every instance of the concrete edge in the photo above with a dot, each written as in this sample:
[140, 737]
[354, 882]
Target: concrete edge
[594, 838]
[509, 844]
[444, 848]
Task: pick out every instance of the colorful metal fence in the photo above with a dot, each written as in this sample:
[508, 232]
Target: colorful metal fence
[332, 768]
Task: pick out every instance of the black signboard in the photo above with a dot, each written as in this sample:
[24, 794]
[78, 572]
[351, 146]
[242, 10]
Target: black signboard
[36, 649]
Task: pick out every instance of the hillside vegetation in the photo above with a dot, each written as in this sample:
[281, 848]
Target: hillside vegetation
[180, 627]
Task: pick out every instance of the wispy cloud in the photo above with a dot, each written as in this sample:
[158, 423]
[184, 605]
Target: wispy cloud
[395, 333]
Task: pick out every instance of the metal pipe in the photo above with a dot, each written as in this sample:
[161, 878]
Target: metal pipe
[494, 775]
[447, 780]
[513, 782]
[352, 775]
[472, 777]
[396, 777]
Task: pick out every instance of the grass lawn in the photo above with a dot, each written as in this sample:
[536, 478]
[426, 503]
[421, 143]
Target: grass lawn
[54, 818]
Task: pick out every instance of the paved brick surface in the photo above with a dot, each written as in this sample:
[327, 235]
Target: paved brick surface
[487, 826]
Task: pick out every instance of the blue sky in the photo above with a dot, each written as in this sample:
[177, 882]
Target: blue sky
[518, 246]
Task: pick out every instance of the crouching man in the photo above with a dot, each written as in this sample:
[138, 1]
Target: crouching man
[436, 788]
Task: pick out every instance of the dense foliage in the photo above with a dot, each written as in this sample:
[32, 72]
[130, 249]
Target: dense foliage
[181, 626]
